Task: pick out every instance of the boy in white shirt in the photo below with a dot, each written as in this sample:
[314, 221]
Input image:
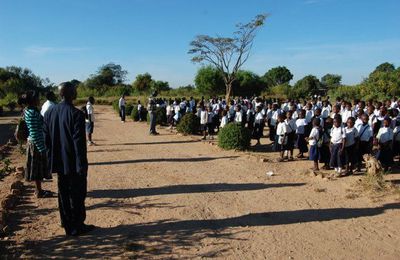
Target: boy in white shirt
[313, 141]
[90, 120]
[351, 141]
[338, 137]
[366, 138]
[385, 142]
[281, 133]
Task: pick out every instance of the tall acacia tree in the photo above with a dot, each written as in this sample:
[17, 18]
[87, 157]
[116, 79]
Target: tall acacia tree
[227, 54]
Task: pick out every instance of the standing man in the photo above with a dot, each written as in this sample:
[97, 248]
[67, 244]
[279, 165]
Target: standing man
[121, 105]
[90, 120]
[151, 107]
[51, 101]
[64, 130]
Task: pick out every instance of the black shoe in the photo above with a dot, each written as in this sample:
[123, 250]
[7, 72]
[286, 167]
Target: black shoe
[81, 231]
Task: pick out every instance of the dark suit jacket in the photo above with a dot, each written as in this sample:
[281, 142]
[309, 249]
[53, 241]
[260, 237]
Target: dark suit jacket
[64, 129]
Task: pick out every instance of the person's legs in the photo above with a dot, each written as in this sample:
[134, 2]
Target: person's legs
[152, 123]
[64, 204]
[78, 188]
[123, 114]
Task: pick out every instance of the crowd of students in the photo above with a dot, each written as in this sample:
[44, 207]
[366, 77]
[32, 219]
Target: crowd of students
[334, 133]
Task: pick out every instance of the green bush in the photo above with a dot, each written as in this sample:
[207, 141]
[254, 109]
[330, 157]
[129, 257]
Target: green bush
[234, 136]
[128, 109]
[161, 116]
[189, 124]
[135, 114]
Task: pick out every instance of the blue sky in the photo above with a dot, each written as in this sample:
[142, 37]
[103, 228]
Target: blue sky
[66, 39]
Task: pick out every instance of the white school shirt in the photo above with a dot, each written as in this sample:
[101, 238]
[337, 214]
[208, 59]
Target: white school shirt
[351, 135]
[281, 129]
[365, 132]
[384, 135]
[346, 115]
[325, 112]
[121, 102]
[238, 117]
[210, 117]
[337, 135]
[295, 115]
[300, 125]
[274, 117]
[358, 123]
[309, 115]
[224, 121]
[168, 110]
[314, 134]
[203, 117]
[372, 120]
[396, 133]
[46, 106]
[290, 125]
[259, 116]
[90, 111]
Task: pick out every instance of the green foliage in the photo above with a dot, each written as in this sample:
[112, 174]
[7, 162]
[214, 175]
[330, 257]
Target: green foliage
[346, 92]
[161, 116]
[331, 80]
[9, 101]
[247, 84]
[278, 76]
[209, 81]
[306, 87]
[107, 75]
[384, 67]
[234, 136]
[128, 109]
[281, 91]
[189, 124]
[159, 85]
[5, 168]
[135, 114]
[143, 83]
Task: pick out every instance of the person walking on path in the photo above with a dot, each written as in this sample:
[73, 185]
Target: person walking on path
[64, 131]
[90, 120]
[121, 105]
[36, 161]
[151, 107]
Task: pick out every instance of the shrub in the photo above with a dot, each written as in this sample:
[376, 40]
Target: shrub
[189, 124]
[161, 116]
[135, 114]
[115, 105]
[128, 109]
[234, 136]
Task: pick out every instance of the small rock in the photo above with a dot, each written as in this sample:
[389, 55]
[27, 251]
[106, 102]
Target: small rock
[270, 173]
[263, 160]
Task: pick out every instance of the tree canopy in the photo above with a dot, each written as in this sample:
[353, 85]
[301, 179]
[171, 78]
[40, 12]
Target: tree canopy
[307, 86]
[110, 74]
[331, 80]
[278, 76]
[209, 81]
[227, 54]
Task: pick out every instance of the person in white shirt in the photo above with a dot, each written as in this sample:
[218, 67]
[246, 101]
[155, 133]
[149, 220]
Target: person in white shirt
[313, 140]
[281, 134]
[291, 134]
[140, 111]
[396, 139]
[300, 132]
[210, 122]
[274, 114]
[366, 139]
[224, 119]
[338, 137]
[385, 142]
[50, 102]
[90, 120]
[258, 125]
[170, 114]
[351, 141]
[203, 120]
[121, 106]
[325, 110]
[238, 115]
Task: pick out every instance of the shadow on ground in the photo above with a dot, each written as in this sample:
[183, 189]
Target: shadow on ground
[163, 239]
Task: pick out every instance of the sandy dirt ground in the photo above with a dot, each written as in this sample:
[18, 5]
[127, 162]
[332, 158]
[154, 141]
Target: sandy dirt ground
[175, 197]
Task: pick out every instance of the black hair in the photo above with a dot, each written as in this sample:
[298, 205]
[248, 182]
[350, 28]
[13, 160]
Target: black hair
[28, 98]
[50, 96]
[67, 91]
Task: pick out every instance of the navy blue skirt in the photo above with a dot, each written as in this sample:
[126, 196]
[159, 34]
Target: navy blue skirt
[314, 153]
[385, 156]
[89, 127]
[336, 156]
[301, 143]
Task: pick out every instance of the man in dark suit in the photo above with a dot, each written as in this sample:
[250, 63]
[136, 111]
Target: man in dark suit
[64, 129]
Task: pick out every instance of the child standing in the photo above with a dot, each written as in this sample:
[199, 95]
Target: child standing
[224, 119]
[203, 114]
[258, 125]
[313, 140]
[281, 134]
[210, 122]
[351, 143]
[291, 134]
[140, 112]
[337, 140]
[324, 152]
[385, 141]
[366, 138]
[300, 131]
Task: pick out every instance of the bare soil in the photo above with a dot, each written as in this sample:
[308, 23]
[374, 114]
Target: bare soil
[175, 197]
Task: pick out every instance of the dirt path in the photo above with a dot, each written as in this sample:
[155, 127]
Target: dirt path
[169, 196]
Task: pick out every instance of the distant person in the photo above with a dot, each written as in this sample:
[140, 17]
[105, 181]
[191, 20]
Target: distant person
[90, 120]
[36, 160]
[151, 107]
[50, 102]
[121, 106]
[64, 129]
[140, 111]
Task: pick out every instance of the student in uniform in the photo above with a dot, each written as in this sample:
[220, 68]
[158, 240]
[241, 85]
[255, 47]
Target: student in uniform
[238, 115]
[350, 147]
[313, 140]
[90, 120]
[258, 125]
[337, 145]
[210, 122]
[203, 114]
[281, 134]
[365, 138]
[324, 151]
[121, 105]
[385, 142]
[140, 111]
[291, 134]
[300, 132]
[396, 139]
[224, 119]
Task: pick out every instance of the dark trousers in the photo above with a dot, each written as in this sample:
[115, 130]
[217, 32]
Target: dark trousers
[152, 122]
[72, 192]
[122, 113]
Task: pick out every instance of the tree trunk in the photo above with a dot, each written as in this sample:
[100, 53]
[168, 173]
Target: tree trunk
[228, 93]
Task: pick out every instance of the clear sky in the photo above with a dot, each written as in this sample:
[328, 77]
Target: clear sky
[66, 39]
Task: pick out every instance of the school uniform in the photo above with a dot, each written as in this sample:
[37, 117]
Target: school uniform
[203, 120]
[121, 105]
[281, 131]
[258, 126]
[273, 124]
[385, 139]
[337, 138]
[313, 143]
[309, 116]
[396, 141]
[291, 133]
[325, 112]
[90, 120]
[224, 121]
[350, 151]
[365, 137]
[301, 138]
[324, 150]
